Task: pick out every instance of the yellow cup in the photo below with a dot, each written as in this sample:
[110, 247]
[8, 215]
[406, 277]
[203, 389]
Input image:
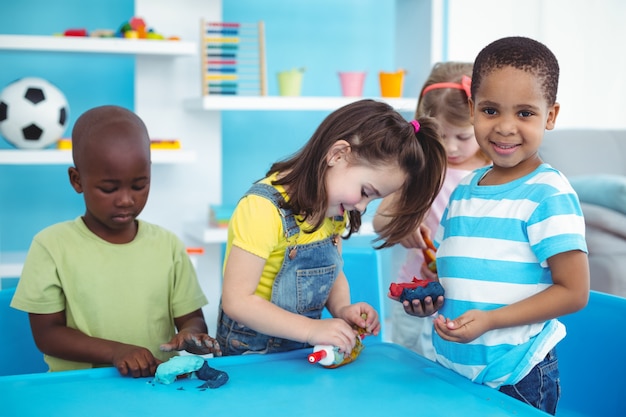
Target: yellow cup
[391, 83]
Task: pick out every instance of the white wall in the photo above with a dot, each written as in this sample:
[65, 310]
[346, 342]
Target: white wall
[587, 38]
[181, 194]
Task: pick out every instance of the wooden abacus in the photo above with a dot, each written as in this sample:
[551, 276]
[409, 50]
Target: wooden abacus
[233, 59]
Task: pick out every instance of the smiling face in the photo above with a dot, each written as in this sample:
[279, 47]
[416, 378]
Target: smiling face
[510, 113]
[353, 186]
[114, 177]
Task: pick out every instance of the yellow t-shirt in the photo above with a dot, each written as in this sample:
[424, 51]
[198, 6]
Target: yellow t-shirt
[256, 227]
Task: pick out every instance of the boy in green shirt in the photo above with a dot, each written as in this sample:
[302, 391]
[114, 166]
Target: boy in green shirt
[107, 288]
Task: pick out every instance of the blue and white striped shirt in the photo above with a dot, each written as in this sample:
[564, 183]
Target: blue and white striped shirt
[494, 242]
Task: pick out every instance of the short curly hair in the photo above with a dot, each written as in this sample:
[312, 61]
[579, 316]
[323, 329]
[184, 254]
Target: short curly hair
[521, 53]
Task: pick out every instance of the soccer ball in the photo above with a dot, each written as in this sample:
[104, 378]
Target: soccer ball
[33, 113]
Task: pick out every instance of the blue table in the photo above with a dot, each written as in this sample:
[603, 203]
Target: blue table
[385, 380]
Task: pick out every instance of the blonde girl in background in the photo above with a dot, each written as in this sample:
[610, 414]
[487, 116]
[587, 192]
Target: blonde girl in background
[444, 96]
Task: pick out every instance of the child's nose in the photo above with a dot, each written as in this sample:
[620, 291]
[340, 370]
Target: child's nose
[451, 146]
[124, 198]
[361, 205]
[506, 126]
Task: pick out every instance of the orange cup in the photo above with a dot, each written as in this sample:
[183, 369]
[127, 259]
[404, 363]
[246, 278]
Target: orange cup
[391, 83]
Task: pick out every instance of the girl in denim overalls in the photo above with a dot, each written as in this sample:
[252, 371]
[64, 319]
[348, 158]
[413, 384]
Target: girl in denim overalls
[283, 262]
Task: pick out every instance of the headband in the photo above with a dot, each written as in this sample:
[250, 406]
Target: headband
[416, 125]
[465, 85]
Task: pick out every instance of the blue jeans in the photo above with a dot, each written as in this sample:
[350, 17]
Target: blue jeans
[541, 388]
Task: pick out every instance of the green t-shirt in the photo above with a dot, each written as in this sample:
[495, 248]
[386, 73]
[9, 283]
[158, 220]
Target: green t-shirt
[129, 293]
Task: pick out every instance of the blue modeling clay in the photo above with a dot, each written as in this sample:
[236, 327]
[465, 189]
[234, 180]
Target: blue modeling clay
[433, 289]
[167, 372]
[213, 377]
[198, 367]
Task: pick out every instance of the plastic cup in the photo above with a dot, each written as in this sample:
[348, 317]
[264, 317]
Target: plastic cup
[352, 83]
[290, 82]
[391, 83]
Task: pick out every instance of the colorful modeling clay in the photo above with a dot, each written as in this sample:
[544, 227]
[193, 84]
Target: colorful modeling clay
[417, 289]
[192, 366]
[330, 357]
[430, 256]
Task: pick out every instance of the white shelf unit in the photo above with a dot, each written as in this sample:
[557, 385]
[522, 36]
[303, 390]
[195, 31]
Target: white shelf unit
[52, 157]
[97, 45]
[279, 103]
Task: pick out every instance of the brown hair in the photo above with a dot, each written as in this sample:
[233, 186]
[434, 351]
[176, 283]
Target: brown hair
[377, 135]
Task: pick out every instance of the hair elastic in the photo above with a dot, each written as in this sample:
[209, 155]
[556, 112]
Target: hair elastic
[416, 125]
[465, 85]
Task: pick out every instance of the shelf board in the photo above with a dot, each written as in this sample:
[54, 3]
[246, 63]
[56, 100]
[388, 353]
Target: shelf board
[270, 103]
[11, 264]
[53, 156]
[97, 45]
[203, 234]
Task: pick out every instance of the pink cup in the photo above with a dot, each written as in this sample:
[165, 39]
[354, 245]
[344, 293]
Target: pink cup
[352, 83]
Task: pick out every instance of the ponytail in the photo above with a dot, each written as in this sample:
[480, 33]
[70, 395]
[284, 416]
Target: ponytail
[425, 168]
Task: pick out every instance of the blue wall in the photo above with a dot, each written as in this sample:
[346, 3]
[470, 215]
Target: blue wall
[33, 197]
[325, 36]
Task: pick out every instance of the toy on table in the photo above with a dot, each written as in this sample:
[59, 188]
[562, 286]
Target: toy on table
[329, 356]
[190, 366]
[417, 289]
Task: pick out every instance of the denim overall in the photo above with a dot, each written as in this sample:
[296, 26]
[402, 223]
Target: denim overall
[301, 286]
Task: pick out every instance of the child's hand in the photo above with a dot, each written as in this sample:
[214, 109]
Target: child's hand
[134, 361]
[467, 327]
[415, 239]
[426, 273]
[422, 309]
[335, 332]
[354, 314]
[417, 296]
[197, 343]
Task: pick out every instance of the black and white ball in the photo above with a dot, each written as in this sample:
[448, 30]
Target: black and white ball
[33, 113]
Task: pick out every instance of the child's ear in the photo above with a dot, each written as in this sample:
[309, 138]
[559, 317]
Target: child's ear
[470, 103]
[553, 112]
[339, 150]
[75, 179]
